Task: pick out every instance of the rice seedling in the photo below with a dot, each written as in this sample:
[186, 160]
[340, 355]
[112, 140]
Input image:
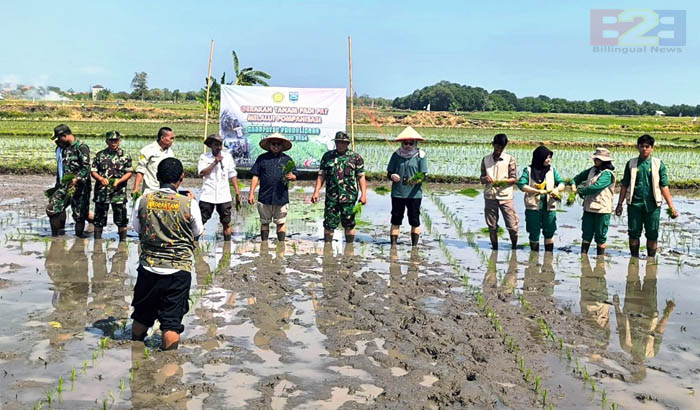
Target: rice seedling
[59, 388]
[470, 192]
[544, 397]
[122, 384]
[49, 396]
[381, 190]
[146, 353]
[287, 168]
[38, 405]
[417, 178]
[85, 365]
[538, 380]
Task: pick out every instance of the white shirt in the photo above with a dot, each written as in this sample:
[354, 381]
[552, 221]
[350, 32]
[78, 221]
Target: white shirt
[196, 226]
[150, 157]
[215, 188]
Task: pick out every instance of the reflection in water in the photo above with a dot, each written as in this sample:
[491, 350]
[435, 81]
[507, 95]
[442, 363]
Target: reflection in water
[328, 315]
[268, 304]
[595, 307]
[68, 270]
[539, 279]
[151, 386]
[395, 274]
[638, 323]
[204, 277]
[490, 283]
[109, 289]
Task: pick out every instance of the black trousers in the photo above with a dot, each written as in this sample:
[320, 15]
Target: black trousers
[411, 205]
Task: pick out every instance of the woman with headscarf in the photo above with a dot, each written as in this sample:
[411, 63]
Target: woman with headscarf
[542, 186]
[596, 186]
[407, 169]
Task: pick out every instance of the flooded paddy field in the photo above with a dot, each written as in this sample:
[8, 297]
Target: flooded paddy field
[300, 324]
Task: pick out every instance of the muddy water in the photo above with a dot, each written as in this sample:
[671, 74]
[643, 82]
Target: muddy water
[303, 325]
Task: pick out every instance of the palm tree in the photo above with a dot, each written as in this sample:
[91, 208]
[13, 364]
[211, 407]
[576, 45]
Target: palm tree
[248, 76]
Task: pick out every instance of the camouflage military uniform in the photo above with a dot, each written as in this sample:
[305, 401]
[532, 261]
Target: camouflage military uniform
[341, 173]
[76, 161]
[111, 165]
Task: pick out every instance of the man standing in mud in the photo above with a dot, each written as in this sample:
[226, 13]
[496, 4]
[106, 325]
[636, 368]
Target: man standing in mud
[72, 182]
[111, 170]
[342, 169]
[168, 225]
[150, 157]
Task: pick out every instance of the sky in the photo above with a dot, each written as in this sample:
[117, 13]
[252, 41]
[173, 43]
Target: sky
[530, 48]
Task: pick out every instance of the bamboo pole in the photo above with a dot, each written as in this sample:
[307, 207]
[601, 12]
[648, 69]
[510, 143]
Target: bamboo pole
[206, 102]
[352, 112]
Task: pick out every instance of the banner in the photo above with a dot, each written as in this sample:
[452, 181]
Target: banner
[309, 117]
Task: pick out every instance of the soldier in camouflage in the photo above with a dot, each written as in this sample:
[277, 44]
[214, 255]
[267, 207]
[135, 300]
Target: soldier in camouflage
[73, 192]
[111, 170]
[341, 169]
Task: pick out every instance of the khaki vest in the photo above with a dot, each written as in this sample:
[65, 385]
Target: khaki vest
[603, 202]
[498, 170]
[655, 178]
[532, 201]
[166, 239]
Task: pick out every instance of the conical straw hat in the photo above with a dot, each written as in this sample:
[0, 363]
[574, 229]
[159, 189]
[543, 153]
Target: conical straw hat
[409, 134]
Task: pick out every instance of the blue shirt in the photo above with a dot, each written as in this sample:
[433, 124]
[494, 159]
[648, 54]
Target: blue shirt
[59, 161]
[273, 189]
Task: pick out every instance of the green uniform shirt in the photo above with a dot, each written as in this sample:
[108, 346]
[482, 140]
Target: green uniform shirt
[407, 168]
[643, 194]
[76, 161]
[603, 182]
[341, 173]
[525, 180]
[111, 164]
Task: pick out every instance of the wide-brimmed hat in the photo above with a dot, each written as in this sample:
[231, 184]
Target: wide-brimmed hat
[602, 154]
[409, 134]
[113, 135]
[342, 136]
[214, 137]
[265, 142]
[61, 130]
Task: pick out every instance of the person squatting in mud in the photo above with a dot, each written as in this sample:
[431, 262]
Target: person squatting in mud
[596, 186]
[111, 169]
[644, 187]
[542, 186]
[407, 170]
[73, 192]
[168, 225]
[342, 170]
[217, 167]
[498, 174]
[273, 170]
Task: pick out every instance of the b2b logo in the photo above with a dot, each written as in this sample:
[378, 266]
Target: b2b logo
[637, 27]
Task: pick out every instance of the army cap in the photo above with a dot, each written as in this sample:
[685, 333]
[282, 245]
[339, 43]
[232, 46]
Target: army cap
[113, 135]
[61, 130]
[342, 136]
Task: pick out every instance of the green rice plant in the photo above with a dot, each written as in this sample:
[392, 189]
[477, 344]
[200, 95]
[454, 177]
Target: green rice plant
[103, 343]
[499, 184]
[561, 343]
[146, 353]
[72, 374]
[593, 385]
[470, 192]
[122, 384]
[568, 353]
[94, 356]
[286, 169]
[571, 199]
[104, 404]
[65, 180]
[38, 405]
[613, 406]
[357, 210]
[604, 396]
[59, 388]
[49, 396]
[135, 195]
[669, 212]
[85, 365]
[522, 365]
[585, 373]
[417, 178]
[538, 380]
[131, 375]
[381, 190]
[527, 375]
[544, 397]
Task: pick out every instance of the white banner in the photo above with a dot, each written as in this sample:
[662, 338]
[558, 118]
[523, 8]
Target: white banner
[309, 117]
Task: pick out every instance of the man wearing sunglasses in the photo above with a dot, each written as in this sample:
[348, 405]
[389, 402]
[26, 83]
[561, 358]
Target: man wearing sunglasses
[269, 171]
[342, 169]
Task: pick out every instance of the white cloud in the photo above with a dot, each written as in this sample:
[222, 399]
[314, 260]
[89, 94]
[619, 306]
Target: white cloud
[92, 70]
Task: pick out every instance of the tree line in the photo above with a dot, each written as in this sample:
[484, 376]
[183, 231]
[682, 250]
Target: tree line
[447, 96]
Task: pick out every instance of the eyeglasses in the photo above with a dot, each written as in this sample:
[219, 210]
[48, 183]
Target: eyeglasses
[275, 143]
[408, 143]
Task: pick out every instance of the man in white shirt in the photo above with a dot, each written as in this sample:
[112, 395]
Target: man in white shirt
[168, 225]
[217, 167]
[150, 157]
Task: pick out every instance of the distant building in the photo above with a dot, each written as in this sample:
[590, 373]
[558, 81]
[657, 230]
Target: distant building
[659, 113]
[96, 90]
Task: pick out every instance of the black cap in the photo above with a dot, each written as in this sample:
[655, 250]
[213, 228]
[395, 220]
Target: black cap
[113, 135]
[341, 136]
[61, 130]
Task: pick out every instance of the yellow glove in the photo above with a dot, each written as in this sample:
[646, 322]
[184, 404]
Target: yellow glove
[541, 185]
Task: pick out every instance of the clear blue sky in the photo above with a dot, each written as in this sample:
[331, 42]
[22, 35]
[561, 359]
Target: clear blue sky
[530, 48]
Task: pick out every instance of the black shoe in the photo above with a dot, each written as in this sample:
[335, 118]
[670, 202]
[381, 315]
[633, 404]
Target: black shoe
[549, 247]
[414, 239]
[535, 246]
[600, 250]
[281, 236]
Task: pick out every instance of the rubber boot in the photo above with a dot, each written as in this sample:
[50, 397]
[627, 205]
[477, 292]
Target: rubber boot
[281, 236]
[122, 233]
[227, 237]
[493, 235]
[264, 234]
[549, 247]
[513, 241]
[394, 239]
[79, 229]
[600, 250]
[584, 247]
[651, 249]
[414, 239]
[535, 246]
[349, 238]
[327, 237]
[62, 223]
[98, 233]
[55, 222]
[634, 250]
